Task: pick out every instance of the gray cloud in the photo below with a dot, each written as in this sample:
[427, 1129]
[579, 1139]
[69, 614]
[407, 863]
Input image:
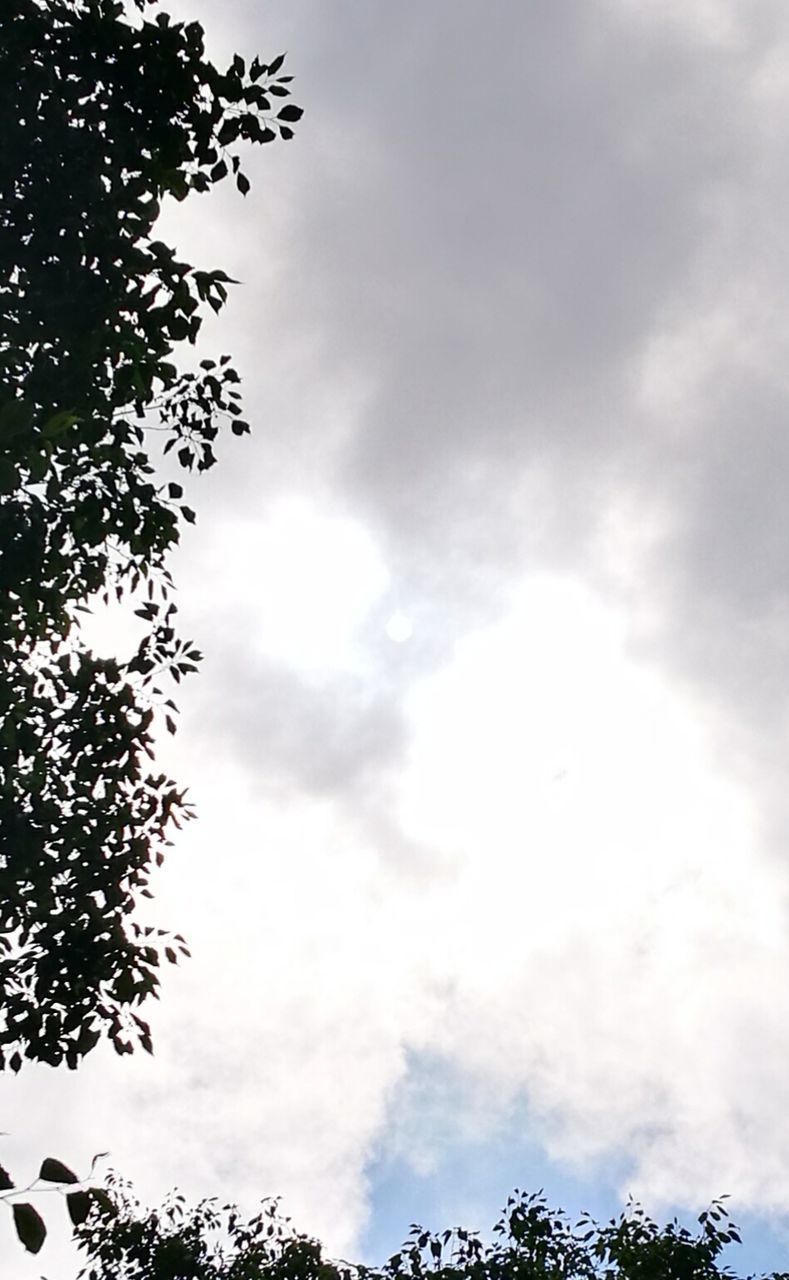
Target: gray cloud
[326, 736]
[514, 303]
[493, 218]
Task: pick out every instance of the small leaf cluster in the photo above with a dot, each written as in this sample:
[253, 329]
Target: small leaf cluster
[533, 1241]
[104, 115]
[82, 1201]
[212, 1241]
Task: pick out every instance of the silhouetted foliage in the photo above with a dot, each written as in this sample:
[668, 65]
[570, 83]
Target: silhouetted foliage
[82, 1199]
[103, 114]
[530, 1242]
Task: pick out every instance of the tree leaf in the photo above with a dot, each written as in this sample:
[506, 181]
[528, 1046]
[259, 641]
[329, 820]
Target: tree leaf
[15, 418]
[56, 425]
[290, 112]
[53, 1170]
[29, 1227]
[103, 1201]
[105, 118]
[78, 1204]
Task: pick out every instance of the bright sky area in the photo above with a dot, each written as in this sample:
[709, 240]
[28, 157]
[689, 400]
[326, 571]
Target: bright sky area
[489, 884]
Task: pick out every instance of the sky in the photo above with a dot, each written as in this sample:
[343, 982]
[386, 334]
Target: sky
[489, 886]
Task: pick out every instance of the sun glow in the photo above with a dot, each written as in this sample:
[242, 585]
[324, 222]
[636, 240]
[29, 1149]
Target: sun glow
[547, 754]
[308, 577]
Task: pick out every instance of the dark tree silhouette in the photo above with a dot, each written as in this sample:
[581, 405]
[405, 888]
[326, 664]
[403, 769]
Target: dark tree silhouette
[531, 1241]
[104, 113]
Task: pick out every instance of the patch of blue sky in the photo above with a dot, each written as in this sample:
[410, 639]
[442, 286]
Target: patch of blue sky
[433, 1166]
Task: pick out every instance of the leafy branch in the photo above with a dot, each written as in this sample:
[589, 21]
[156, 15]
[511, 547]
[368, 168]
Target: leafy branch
[80, 1199]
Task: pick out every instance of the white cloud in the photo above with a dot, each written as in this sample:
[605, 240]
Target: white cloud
[298, 580]
[515, 329]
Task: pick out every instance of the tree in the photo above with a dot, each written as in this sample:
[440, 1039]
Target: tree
[104, 113]
[531, 1241]
[80, 1200]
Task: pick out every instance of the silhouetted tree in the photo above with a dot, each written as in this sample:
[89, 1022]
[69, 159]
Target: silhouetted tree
[104, 112]
[531, 1241]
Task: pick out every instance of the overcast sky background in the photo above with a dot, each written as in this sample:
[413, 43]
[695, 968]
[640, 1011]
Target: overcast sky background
[489, 885]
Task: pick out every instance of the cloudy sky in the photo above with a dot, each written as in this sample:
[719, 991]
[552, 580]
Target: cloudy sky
[490, 883]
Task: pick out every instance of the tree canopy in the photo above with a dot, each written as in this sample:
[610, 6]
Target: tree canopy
[531, 1241]
[105, 113]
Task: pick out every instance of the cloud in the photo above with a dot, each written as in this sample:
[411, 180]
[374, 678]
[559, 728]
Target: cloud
[537, 328]
[513, 340]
